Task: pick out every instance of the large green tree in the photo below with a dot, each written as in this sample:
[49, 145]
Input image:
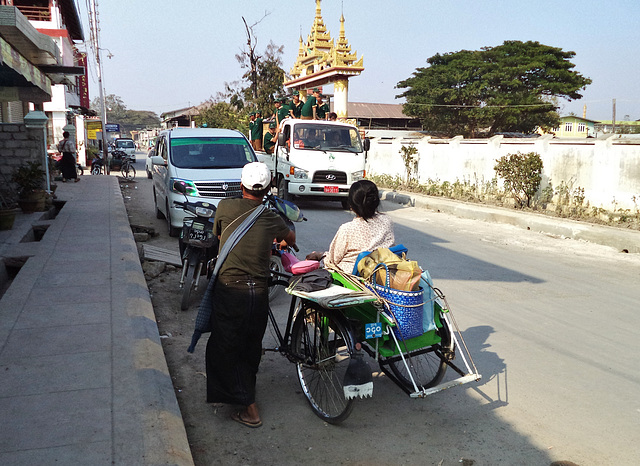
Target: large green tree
[129, 120]
[219, 114]
[508, 88]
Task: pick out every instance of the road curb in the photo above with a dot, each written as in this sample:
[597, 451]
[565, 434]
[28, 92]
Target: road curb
[617, 238]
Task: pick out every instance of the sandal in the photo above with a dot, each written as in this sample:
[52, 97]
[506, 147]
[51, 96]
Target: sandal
[237, 416]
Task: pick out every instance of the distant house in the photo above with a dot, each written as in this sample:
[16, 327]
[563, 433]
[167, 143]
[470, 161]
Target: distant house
[621, 127]
[182, 117]
[574, 127]
[381, 116]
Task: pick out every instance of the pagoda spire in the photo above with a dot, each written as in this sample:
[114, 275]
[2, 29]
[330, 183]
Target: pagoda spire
[322, 60]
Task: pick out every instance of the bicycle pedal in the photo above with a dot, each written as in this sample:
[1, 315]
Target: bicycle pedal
[358, 381]
[358, 391]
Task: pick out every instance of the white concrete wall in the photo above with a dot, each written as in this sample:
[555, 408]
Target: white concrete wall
[607, 168]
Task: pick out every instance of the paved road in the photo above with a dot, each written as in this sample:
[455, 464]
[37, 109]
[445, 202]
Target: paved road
[552, 325]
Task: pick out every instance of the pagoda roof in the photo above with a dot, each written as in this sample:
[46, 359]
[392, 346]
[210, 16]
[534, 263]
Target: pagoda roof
[319, 53]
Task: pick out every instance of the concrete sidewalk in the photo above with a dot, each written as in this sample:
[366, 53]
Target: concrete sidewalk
[618, 238]
[84, 378]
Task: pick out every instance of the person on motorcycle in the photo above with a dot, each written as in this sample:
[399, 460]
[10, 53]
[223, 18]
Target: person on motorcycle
[241, 297]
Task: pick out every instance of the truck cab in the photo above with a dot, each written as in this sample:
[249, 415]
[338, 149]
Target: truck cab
[317, 159]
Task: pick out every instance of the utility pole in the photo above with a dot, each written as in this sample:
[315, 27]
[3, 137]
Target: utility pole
[95, 36]
[613, 120]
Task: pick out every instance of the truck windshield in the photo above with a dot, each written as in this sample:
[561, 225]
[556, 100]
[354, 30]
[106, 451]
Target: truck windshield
[326, 137]
[211, 152]
[125, 144]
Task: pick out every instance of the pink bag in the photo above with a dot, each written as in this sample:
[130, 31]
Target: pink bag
[304, 267]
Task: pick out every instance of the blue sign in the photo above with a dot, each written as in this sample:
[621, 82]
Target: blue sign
[373, 330]
[112, 127]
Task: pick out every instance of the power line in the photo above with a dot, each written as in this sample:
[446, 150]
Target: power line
[481, 106]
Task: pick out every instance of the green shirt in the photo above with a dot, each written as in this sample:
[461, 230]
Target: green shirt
[322, 110]
[268, 142]
[307, 108]
[251, 255]
[296, 109]
[256, 129]
[282, 113]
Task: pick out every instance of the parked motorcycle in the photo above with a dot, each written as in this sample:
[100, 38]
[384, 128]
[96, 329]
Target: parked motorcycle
[198, 244]
[97, 166]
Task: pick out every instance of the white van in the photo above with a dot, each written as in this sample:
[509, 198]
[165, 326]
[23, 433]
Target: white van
[208, 160]
[127, 146]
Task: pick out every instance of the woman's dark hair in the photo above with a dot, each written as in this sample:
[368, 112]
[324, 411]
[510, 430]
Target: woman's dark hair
[364, 198]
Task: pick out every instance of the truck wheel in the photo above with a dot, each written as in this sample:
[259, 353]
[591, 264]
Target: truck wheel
[345, 204]
[283, 189]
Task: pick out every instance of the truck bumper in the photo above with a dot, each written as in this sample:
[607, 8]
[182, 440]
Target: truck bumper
[338, 191]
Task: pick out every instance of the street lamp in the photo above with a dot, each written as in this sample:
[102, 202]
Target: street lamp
[39, 119]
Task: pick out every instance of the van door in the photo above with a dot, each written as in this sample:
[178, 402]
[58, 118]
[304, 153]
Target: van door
[161, 176]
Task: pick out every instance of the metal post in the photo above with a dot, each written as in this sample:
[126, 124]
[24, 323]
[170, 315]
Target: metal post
[103, 109]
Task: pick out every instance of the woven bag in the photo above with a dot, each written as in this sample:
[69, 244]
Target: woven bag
[406, 307]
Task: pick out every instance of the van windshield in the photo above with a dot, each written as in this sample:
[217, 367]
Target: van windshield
[211, 152]
[326, 137]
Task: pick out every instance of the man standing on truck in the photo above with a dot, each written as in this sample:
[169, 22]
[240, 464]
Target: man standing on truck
[255, 126]
[282, 111]
[309, 107]
[322, 108]
[295, 107]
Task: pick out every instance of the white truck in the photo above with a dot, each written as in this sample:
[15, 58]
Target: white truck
[317, 159]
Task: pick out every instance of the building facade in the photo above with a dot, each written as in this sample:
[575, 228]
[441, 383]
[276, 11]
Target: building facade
[40, 65]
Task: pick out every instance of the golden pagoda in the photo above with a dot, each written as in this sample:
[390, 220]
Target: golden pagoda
[320, 61]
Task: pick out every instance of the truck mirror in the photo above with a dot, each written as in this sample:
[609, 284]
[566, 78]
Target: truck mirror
[367, 145]
[281, 140]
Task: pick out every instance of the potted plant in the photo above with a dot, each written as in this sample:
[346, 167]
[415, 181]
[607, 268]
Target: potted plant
[8, 209]
[30, 178]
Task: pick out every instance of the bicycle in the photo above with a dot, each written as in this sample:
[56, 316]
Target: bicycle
[128, 171]
[328, 331]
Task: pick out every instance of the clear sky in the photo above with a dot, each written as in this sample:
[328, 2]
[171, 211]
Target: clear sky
[171, 54]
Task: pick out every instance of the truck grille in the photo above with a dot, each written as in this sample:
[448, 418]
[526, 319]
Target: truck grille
[330, 177]
[219, 189]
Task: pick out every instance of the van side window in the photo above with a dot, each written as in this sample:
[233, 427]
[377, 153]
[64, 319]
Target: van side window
[162, 148]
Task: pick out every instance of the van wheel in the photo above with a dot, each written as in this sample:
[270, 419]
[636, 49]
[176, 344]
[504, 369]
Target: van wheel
[159, 214]
[345, 204]
[173, 231]
[283, 189]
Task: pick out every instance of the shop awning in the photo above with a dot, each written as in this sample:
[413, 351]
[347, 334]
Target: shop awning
[17, 71]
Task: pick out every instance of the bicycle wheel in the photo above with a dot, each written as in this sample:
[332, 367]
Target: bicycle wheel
[128, 171]
[188, 284]
[324, 346]
[427, 365]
